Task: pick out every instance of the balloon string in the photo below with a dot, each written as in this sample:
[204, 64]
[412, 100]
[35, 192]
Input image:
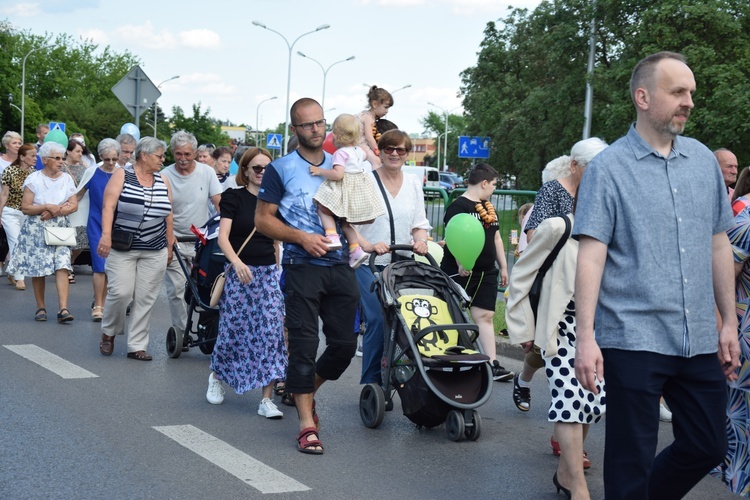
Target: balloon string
[471, 273]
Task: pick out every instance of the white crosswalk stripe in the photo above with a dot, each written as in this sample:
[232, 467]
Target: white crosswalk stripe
[51, 362]
[244, 467]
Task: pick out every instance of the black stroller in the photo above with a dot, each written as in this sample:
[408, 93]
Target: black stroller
[206, 266]
[431, 355]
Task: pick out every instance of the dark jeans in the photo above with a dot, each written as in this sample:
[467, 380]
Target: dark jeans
[695, 390]
[372, 341]
[330, 293]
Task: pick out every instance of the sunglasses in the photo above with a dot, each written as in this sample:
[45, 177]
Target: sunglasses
[389, 150]
[256, 168]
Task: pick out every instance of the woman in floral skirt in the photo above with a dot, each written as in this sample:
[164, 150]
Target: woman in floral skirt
[249, 351]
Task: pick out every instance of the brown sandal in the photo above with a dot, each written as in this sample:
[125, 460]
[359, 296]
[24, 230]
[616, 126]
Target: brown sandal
[140, 356]
[307, 445]
[107, 345]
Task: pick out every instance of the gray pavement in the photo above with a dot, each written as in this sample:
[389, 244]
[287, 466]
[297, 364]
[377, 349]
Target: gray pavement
[144, 429]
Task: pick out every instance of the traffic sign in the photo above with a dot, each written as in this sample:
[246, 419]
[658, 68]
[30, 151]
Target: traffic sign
[473, 147]
[136, 92]
[57, 126]
[273, 141]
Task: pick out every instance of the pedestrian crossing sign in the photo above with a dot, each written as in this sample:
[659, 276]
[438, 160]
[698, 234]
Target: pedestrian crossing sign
[57, 126]
[274, 141]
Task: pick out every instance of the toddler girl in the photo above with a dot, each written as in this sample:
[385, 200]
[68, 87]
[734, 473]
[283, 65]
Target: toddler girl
[348, 193]
[380, 101]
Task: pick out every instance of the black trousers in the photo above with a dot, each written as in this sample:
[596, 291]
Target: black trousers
[332, 294]
[695, 390]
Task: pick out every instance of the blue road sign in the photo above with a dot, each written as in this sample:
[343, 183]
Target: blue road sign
[473, 147]
[57, 125]
[274, 141]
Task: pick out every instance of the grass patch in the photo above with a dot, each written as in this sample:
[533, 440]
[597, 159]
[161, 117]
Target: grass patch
[498, 321]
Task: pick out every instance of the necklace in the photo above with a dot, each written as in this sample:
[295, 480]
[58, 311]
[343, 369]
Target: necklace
[143, 180]
[486, 212]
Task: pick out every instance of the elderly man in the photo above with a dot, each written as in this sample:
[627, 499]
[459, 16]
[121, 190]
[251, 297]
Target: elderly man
[194, 185]
[127, 146]
[728, 164]
[319, 282]
[656, 270]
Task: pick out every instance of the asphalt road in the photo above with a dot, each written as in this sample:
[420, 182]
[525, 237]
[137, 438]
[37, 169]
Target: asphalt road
[121, 428]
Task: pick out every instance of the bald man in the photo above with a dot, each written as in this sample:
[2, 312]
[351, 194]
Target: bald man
[728, 164]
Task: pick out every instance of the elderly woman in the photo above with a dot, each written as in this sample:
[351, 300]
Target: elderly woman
[91, 188]
[403, 192]
[75, 166]
[11, 195]
[204, 154]
[11, 142]
[138, 258]
[249, 351]
[48, 199]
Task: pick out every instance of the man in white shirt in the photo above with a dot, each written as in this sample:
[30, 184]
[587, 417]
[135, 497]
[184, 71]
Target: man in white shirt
[193, 185]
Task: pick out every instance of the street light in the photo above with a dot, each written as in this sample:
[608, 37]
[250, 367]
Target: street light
[156, 114]
[402, 88]
[23, 83]
[289, 70]
[10, 101]
[445, 146]
[257, 120]
[325, 73]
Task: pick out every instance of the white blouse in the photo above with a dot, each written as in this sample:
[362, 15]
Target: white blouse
[48, 190]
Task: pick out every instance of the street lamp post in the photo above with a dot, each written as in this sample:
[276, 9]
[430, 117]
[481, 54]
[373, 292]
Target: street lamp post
[257, 119]
[23, 83]
[325, 73]
[156, 114]
[289, 70]
[402, 88]
[445, 146]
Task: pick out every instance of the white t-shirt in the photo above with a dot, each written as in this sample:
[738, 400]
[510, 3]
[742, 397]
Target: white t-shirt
[3, 165]
[190, 194]
[48, 190]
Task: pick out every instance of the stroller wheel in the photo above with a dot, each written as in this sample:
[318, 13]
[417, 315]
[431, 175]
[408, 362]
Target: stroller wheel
[174, 343]
[454, 425]
[474, 429]
[372, 405]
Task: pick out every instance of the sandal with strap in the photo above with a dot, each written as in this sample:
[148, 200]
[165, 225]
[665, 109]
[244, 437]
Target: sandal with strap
[307, 445]
[279, 387]
[316, 419]
[140, 356]
[97, 312]
[64, 316]
[107, 345]
[40, 314]
[72, 278]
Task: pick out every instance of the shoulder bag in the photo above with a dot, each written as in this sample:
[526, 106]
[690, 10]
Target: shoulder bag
[218, 287]
[536, 287]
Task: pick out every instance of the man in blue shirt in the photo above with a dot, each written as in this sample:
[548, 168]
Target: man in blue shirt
[648, 277]
[318, 283]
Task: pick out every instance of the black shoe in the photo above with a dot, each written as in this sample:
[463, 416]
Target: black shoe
[521, 395]
[499, 373]
[560, 487]
[288, 399]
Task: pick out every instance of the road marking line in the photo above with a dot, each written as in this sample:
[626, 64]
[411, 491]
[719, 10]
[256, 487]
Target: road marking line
[239, 464]
[51, 362]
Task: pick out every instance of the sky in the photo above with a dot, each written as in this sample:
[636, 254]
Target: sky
[230, 65]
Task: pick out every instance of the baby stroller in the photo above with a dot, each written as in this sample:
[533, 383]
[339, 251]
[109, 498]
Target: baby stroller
[206, 266]
[431, 355]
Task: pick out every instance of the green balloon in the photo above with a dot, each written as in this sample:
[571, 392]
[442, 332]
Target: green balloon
[57, 136]
[464, 236]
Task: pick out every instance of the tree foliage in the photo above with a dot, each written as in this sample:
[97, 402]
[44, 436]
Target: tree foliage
[527, 89]
[435, 122]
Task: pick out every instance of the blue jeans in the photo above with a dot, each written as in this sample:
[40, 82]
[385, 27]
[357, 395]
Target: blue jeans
[372, 342]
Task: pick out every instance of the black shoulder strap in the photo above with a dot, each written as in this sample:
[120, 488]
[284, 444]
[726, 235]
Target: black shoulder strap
[387, 205]
[553, 255]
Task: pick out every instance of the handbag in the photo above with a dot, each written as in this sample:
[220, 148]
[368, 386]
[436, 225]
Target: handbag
[218, 286]
[395, 256]
[60, 236]
[121, 240]
[536, 287]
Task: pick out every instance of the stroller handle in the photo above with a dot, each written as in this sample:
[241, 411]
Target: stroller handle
[392, 249]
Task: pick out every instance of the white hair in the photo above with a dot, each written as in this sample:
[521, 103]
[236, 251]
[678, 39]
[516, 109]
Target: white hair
[50, 148]
[556, 169]
[584, 151]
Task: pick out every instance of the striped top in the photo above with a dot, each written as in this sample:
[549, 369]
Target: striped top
[142, 210]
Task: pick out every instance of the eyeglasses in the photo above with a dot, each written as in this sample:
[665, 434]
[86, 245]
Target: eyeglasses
[256, 168]
[56, 158]
[161, 156]
[309, 125]
[389, 150]
[109, 160]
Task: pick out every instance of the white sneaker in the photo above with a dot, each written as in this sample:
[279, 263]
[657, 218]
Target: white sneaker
[664, 414]
[358, 352]
[215, 392]
[269, 410]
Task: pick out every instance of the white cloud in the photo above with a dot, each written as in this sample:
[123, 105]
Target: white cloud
[95, 35]
[200, 38]
[26, 9]
[206, 84]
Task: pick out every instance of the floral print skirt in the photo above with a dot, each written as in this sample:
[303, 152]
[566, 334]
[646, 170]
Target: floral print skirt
[33, 257]
[250, 350]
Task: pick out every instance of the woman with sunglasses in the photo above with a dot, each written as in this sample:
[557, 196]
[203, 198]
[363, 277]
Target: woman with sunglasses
[93, 183]
[48, 199]
[403, 192]
[249, 351]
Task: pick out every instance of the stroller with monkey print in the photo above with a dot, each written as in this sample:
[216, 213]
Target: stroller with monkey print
[431, 355]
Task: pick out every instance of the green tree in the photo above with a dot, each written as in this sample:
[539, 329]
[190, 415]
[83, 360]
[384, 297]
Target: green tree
[527, 89]
[205, 129]
[435, 123]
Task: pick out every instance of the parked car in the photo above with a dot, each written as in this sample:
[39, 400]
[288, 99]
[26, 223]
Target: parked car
[457, 180]
[447, 182]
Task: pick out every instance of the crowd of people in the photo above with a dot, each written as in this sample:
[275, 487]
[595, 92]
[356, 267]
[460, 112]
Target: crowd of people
[655, 279]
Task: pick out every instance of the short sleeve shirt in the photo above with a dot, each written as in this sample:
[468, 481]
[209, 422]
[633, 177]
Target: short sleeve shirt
[13, 177]
[190, 195]
[239, 205]
[48, 190]
[657, 217]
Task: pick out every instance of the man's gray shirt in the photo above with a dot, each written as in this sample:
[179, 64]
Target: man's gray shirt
[657, 217]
